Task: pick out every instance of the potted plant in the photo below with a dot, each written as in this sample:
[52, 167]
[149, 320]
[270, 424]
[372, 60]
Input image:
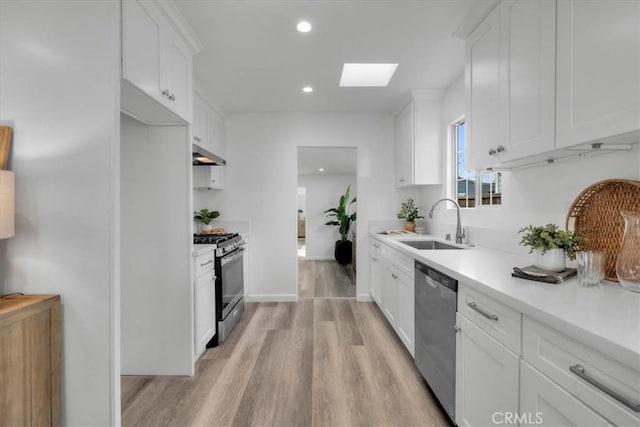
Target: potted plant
[342, 218]
[551, 246]
[409, 212]
[205, 216]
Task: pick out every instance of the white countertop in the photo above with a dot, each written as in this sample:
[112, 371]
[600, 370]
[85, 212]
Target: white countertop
[607, 317]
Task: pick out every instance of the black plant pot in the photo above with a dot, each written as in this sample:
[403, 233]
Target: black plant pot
[343, 252]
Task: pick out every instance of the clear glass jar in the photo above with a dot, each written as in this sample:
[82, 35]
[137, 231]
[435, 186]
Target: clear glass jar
[628, 262]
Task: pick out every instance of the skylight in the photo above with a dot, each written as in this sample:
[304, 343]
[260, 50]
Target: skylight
[367, 75]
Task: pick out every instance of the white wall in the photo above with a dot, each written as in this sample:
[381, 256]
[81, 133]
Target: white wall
[261, 186]
[156, 288]
[537, 195]
[59, 89]
[323, 192]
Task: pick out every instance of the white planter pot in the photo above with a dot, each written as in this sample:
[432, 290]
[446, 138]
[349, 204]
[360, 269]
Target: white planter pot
[552, 260]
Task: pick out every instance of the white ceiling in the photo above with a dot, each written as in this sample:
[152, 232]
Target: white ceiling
[255, 59]
[334, 160]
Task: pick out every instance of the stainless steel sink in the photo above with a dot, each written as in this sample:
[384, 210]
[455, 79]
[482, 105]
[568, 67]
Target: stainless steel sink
[428, 244]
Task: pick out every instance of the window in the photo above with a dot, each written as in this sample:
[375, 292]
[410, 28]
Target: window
[464, 189]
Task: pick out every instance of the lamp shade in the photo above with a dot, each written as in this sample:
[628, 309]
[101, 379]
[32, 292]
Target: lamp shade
[7, 204]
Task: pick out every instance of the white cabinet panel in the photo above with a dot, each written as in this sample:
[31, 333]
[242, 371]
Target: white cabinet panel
[208, 177]
[204, 311]
[418, 144]
[598, 70]
[544, 403]
[200, 128]
[406, 309]
[177, 69]
[486, 376]
[482, 79]
[390, 295]
[376, 273]
[216, 133]
[527, 78]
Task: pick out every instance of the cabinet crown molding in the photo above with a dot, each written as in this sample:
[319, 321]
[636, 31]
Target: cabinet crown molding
[179, 24]
[475, 16]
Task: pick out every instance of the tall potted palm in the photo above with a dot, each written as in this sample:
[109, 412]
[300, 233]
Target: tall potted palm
[342, 218]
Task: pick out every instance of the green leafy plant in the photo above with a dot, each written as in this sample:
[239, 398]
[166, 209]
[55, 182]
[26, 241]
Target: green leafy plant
[205, 216]
[409, 211]
[342, 216]
[548, 237]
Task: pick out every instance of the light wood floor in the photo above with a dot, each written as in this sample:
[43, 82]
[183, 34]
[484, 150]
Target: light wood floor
[325, 279]
[316, 362]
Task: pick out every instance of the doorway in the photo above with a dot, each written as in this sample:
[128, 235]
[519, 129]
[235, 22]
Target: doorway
[324, 174]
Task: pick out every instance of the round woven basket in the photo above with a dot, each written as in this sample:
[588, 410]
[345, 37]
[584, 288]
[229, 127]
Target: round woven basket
[595, 215]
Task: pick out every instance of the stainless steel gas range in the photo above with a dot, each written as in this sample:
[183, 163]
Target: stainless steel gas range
[229, 286]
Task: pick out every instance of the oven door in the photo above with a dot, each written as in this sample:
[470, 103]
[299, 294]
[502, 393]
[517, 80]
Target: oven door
[232, 279]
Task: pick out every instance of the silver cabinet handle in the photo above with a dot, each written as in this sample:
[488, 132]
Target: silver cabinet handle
[492, 151]
[394, 276]
[206, 263]
[172, 97]
[165, 92]
[197, 138]
[489, 316]
[456, 328]
[374, 258]
[500, 148]
[401, 179]
[375, 246]
[580, 372]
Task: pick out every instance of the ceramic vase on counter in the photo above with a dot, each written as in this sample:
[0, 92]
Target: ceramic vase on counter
[628, 261]
[551, 260]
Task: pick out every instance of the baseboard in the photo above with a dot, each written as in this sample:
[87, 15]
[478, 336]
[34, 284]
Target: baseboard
[365, 298]
[271, 298]
[319, 258]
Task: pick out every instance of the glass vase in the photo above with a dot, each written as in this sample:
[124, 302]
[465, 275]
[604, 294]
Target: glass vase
[628, 261]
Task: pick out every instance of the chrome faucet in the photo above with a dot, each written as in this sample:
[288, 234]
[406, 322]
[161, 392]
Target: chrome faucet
[459, 231]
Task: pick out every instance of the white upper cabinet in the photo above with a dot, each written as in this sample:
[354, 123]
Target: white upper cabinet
[208, 127]
[156, 65]
[482, 80]
[418, 142]
[598, 72]
[542, 76]
[527, 78]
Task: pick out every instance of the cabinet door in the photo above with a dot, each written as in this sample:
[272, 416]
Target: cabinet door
[527, 76]
[390, 295]
[208, 177]
[486, 376]
[204, 311]
[141, 33]
[405, 312]
[598, 70]
[377, 273]
[545, 403]
[404, 146]
[176, 75]
[216, 132]
[200, 128]
[482, 80]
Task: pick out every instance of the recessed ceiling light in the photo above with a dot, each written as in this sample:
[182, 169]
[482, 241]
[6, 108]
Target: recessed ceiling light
[367, 75]
[307, 89]
[321, 170]
[304, 26]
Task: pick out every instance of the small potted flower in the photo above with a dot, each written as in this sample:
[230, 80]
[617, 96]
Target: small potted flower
[409, 212]
[550, 245]
[205, 216]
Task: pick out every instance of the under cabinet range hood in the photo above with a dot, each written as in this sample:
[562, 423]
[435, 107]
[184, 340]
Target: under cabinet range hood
[202, 157]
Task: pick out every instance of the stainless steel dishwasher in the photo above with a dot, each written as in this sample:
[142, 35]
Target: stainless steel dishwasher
[435, 312]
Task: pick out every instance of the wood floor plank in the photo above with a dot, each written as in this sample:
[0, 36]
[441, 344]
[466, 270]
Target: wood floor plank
[316, 362]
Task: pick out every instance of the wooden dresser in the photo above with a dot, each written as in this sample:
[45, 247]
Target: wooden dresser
[30, 360]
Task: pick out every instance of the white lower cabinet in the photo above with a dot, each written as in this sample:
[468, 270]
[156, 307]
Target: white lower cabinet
[204, 296]
[392, 288]
[544, 403]
[376, 273]
[487, 383]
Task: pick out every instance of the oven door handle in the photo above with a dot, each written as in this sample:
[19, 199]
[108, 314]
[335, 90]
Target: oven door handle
[234, 255]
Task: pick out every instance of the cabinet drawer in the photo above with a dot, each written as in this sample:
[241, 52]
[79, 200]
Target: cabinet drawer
[575, 366]
[403, 262]
[203, 264]
[498, 320]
